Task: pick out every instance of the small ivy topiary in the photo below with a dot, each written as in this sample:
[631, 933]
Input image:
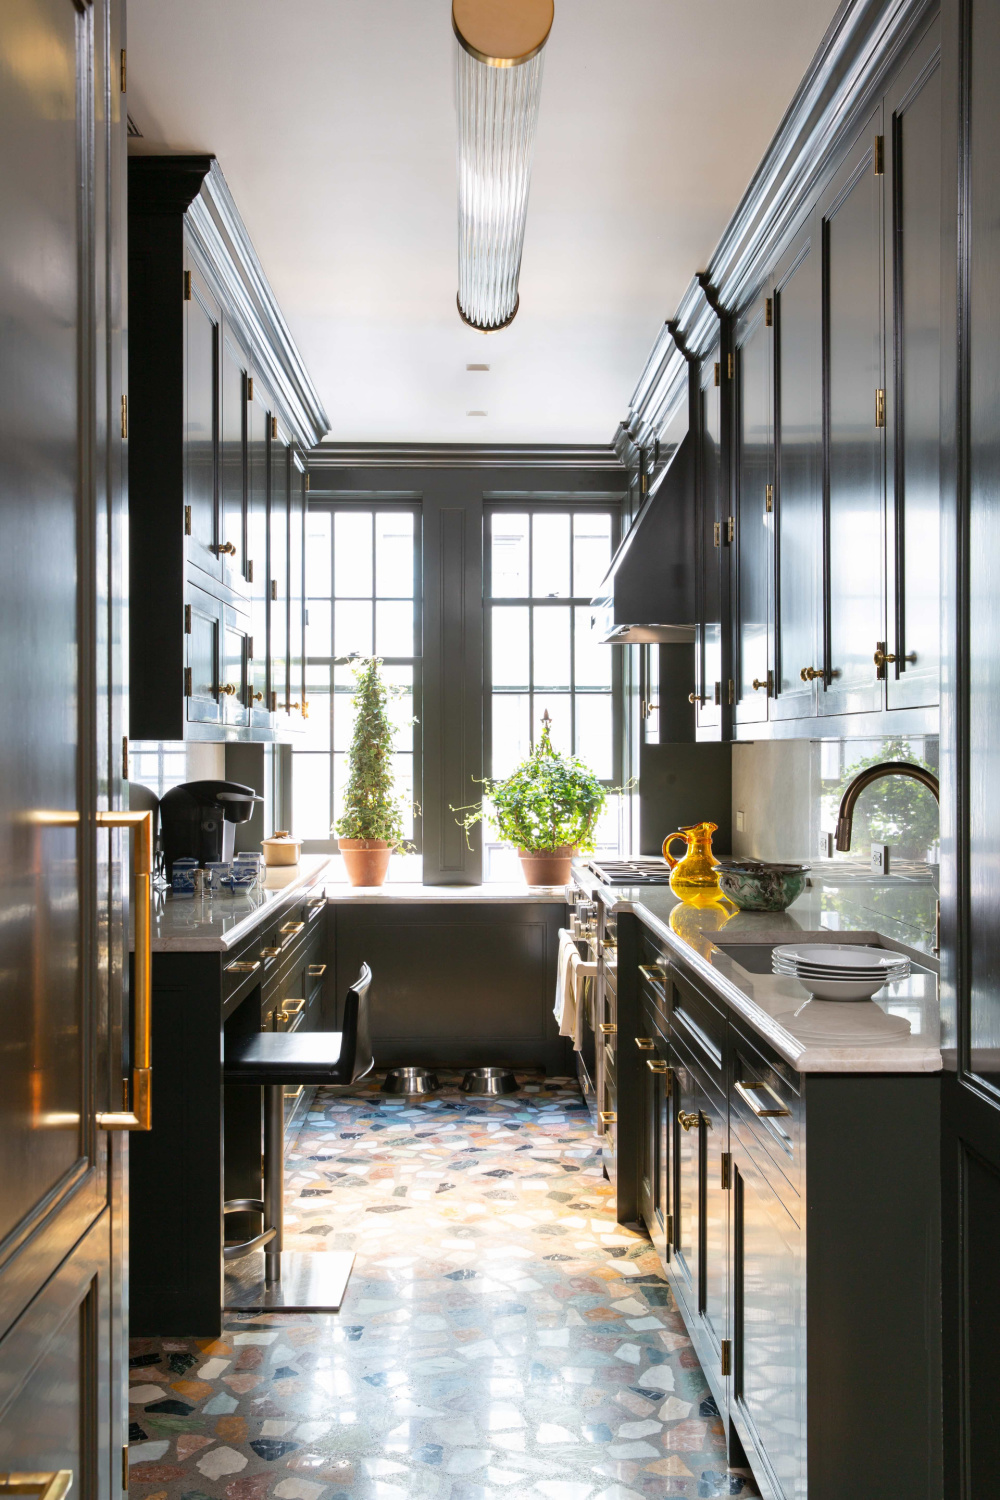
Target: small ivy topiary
[550, 801]
[371, 808]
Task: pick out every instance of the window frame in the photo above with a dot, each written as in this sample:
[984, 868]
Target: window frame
[372, 503]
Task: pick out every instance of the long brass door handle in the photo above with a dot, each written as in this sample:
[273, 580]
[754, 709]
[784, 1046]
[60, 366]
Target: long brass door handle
[140, 1117]
[54, 1484]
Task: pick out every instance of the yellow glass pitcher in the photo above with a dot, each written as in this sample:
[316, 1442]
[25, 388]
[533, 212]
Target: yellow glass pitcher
[694, 876]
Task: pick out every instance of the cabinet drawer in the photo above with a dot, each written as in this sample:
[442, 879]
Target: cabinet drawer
[701, 1023]
[766, 1121]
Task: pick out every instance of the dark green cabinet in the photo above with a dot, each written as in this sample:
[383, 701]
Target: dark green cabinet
[751, 547]
[711, 540]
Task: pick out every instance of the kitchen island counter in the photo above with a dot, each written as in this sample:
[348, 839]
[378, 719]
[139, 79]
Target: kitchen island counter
[217, 923]
[401, 891]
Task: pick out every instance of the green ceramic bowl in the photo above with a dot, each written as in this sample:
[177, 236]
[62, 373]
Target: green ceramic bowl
[753, 885]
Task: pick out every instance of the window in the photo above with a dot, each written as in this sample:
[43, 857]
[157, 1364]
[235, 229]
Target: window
[362, 596]
[543, 564]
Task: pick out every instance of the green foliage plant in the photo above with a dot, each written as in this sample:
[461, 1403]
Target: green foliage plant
[550, 801]
[372, 810]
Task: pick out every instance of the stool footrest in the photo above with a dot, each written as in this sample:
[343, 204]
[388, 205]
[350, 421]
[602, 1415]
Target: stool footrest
[237, 1252]
[243, 1206]
[310, 1281]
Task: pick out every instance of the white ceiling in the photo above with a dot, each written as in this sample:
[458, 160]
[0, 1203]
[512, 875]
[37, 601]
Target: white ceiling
[333, 121]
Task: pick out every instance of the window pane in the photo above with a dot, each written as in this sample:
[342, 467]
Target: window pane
[559, 708]
[343, 708]
[401, 709]
[311, 796]
[341, 772]
[593, 661]
[510, 555]
[318, 552]
[317, 677]
[394, 555]
[402, 770]
[352, 554]
[594, 742]
[510, 646]
[317, 726]
[550, 556]
[352, 626]
[551, 647]
[318, 641]
[591, 552]
[394, 628]
[511, 738]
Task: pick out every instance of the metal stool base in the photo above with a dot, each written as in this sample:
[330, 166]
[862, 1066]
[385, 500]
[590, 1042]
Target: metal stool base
[311, 1281]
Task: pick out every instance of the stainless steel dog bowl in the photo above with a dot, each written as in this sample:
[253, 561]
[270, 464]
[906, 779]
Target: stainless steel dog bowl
[410, 1081]
[489, 1081]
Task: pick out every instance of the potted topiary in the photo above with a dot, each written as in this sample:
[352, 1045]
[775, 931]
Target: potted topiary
[547, 808]
[371, 824]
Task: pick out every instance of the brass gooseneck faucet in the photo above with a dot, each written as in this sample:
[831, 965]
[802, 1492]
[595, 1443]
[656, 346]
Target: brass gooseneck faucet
[845, 818]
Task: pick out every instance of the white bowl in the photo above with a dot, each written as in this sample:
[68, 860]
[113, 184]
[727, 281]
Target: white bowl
[840, 955]
[815, 971]
[842, 989]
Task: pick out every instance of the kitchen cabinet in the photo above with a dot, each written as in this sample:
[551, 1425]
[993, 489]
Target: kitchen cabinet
[221, 413]
[751, 547]
[712, 542]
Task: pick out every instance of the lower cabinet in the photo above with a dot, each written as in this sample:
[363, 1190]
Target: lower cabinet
[818, 1331]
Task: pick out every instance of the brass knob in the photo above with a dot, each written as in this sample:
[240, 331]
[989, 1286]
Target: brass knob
[256, 697]
[809, 674]
[689, 1121]
[290, 706]
[759, 683]
[228, 689]
[697, 697]
[882, 658]
[223, 549]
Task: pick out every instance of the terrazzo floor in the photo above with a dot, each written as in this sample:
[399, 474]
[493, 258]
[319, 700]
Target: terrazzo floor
[501, 1335]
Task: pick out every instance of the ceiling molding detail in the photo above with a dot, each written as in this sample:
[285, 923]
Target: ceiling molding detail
[463, 456]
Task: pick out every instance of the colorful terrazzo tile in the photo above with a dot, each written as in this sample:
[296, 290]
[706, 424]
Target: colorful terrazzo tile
[501, 1335]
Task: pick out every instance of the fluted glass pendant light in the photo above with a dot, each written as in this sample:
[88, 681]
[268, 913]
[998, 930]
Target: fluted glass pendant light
[499, 78]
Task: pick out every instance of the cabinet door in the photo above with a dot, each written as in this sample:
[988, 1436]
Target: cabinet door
[714, 1265]
[202, 625]
[752, 541]
[278, 565]
[234, 669]
[234, 464]
[708, 651]
[297, 590]
[686, 1154]
[852, 349]
[201, 429]
[913, 175]
[257, 558]
[654, 1085]
[798, 475]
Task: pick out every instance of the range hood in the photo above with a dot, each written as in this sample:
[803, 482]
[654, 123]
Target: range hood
[648, 594]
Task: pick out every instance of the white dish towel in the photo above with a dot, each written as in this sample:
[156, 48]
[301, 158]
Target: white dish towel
[572, 971]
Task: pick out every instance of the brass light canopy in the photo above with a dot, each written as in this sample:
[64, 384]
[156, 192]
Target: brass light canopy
[498, 83]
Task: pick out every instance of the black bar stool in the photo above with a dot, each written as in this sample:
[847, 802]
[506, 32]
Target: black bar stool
[293, 1281]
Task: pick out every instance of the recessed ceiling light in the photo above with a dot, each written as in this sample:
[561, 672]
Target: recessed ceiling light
[477, 367]
[477, 413]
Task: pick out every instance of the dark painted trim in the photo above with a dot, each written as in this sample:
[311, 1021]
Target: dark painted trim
[462, 456]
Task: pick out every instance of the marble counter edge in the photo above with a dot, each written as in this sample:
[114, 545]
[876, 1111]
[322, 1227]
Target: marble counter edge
[856, 1058]
[497, 895]
[207, 942]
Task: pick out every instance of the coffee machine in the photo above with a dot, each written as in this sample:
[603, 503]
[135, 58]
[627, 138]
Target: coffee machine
[198, 820]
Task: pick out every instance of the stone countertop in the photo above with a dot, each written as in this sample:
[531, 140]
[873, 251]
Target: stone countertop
[767, 1002]
[392, 891]
[217, 923]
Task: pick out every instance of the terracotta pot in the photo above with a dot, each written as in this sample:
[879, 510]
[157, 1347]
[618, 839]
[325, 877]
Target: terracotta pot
[366, 860]
[547, 866]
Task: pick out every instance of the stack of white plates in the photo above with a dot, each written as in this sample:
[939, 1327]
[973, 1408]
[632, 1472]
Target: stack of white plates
[840, 971]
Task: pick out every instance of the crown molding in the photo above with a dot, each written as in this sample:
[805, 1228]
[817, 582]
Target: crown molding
[463, 456]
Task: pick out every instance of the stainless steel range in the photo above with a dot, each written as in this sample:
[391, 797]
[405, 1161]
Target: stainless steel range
[644, 870]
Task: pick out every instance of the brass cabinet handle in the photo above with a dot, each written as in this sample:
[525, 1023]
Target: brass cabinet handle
[655, 1065]
[224, 549]
[243, 966]
[653, 973]
[140, 1117]
[882, 657]
[697, 697]
[645, 1043]
[316, 904]
[809, 674]
[608, 1028]
[762, 682]
[54, 1485]
[289, 931]
[607, 1116]
[290, 706]
[228, 689]
[689, 1120]
[289, 1009]
[256, 697]
[316, 971]
[269, 953]
[748, 1093]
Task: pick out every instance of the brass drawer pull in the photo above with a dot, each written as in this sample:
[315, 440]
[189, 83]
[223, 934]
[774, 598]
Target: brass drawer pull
[243, 966]
[290, 930]
[269, 953]
[316, 971]
[653, 973]
[645, 1043]
[289, 1008]
[689, 1120]
[140, 1117]
[316, 904]
[608, 1028]
[607, 1116]
[748, 1093]
[655, 1065]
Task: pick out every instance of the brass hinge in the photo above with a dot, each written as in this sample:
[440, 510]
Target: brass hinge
[273, 698]
[878, 155]
[727, 1169]
[730, 365]
[717, 533]
[124, 1450]
[274, 588]
[643, 483]
[717, 695]
[880, 408]
[249, 648]
[718, 373]
[249, 570]
[307, 483]
[769, 498]
[187, 619]
[125, 757]
[768, 312]
[122, 76]
[274, 427]
[726, 1358]
[732, 692]
[188, 689]
[249, 387]
[730, 529]
[187, 520]
[187, 286]
[124, 416]
[670, 1229]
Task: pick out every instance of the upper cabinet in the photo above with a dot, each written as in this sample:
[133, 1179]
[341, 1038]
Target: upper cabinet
[222, 414]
